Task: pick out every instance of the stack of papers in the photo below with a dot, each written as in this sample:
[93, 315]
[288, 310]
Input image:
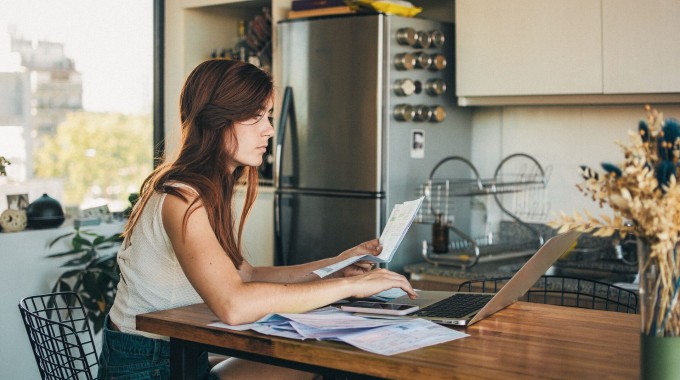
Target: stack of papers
[380, 336]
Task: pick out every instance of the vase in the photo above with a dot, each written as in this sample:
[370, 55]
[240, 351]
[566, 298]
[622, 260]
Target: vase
[659, 312]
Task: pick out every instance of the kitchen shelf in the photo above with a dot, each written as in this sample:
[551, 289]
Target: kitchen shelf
[466, 251]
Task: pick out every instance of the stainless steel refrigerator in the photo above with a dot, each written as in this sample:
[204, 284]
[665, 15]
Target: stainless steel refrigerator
[368, 110]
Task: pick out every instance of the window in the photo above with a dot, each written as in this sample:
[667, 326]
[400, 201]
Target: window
[76, 100]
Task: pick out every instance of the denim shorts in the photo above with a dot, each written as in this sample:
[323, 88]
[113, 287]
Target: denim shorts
[134, 357]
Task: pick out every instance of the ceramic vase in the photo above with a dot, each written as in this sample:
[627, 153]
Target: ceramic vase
[659, 314]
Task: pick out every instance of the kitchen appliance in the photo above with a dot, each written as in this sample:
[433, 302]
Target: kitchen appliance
[361, 125]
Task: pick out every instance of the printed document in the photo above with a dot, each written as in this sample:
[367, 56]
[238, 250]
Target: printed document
[380, 336]
[397, 225]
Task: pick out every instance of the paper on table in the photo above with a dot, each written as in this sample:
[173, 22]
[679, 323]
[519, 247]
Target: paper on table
[397, 225]
[381, 336]
[406, 336]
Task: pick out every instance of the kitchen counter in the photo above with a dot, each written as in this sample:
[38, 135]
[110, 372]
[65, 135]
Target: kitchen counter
[440, 277]
[593, 258]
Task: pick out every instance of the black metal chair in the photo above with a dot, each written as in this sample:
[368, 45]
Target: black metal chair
[566, 291]
[60, 335]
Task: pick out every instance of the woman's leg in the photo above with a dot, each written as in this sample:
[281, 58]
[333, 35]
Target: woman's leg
[239, 369]
[215, 359]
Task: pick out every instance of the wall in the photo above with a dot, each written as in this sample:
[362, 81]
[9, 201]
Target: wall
[560, 137]
[26, 271]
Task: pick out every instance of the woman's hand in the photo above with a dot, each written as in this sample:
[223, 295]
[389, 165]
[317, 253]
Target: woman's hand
[371, 247]
[378, 280]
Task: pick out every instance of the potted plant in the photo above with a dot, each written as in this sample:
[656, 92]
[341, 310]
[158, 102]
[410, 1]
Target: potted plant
[93, 274]
[644, 194]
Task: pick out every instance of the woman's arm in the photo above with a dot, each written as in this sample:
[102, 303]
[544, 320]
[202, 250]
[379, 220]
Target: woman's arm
[236, 300]
[303, 272]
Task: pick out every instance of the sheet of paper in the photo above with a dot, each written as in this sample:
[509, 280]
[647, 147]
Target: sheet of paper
[338, 321]
[400, 220]
[390, 294]
[381, 336]
[403, 337]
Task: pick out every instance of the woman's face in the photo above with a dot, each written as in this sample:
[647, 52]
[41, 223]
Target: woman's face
[253, 136]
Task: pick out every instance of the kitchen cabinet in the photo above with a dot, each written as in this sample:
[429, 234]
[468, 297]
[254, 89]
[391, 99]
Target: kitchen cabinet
[641, 47]
[566, 52]
[527, 47]
[258, 233]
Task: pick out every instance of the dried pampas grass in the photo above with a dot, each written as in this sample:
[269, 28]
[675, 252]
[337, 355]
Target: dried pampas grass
[644, 195]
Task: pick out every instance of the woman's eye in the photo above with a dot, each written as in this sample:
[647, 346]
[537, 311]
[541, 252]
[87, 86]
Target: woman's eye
[271, 120]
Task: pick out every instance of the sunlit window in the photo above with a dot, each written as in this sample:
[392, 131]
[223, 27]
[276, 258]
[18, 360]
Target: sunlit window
[76, 98]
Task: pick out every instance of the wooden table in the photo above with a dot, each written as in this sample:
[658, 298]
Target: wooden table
[525, 340]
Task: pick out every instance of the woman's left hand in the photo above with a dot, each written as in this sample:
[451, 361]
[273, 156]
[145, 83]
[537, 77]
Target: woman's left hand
[371, 247]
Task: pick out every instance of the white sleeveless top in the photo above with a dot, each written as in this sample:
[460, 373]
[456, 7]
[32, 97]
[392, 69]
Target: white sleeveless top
[151, 277]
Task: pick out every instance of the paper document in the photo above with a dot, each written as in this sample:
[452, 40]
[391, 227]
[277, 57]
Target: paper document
[397, 225]
[381, 336]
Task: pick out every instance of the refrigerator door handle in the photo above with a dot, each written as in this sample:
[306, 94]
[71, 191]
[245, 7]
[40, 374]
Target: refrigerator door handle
[279, 254]
[287, 113]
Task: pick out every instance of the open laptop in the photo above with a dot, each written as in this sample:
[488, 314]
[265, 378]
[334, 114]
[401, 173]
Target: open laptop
[459, 308]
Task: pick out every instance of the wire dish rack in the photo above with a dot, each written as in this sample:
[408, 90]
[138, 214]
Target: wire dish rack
[519, 175]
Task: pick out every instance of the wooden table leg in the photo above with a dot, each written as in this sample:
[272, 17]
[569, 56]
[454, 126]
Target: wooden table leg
[184, 357]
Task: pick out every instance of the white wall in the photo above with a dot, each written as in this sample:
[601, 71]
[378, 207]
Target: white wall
[27, 271]
[563, 137]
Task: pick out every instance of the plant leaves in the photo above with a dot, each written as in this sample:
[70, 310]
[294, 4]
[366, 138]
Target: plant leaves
[80, 241]
[59, 238]
[71, 252]
[80, 260]
[95, 275]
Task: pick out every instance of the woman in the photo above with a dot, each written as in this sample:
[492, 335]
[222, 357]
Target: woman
[182, 245]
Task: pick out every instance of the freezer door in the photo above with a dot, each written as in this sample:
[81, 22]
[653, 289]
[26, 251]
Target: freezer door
[334, 68]
[312, 226]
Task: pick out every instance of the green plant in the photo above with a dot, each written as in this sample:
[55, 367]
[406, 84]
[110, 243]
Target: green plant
[94, 274]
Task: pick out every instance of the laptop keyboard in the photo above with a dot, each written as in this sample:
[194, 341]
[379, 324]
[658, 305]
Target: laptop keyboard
[456, 306]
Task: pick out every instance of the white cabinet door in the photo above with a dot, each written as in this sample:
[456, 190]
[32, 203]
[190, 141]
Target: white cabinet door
[641, 46]
[528, 47]
[258, 234]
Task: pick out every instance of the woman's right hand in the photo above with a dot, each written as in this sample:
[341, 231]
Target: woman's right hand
[378, 280]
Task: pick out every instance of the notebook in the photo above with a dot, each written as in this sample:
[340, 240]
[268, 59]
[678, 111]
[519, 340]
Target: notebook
[458, 308]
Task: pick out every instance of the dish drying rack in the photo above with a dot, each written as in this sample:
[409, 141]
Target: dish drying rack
[467, 251]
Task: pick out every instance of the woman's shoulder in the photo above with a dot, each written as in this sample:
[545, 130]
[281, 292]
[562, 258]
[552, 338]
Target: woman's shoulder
[181, 187]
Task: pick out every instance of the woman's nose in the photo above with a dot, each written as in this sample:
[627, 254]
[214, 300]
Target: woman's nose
[269, 132]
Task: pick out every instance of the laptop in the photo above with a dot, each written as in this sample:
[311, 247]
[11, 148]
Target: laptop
[461, 309]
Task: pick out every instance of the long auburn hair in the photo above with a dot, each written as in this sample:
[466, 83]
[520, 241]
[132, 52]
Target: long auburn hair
[216, 94]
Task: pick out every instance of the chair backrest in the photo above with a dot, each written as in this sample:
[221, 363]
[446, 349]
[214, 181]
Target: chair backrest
[566, 291]
[60, 335]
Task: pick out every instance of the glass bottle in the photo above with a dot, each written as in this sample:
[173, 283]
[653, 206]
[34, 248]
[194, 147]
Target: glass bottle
[241, 50]
[440, 235]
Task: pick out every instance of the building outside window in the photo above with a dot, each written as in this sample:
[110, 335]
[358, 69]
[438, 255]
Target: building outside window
[76, 98]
